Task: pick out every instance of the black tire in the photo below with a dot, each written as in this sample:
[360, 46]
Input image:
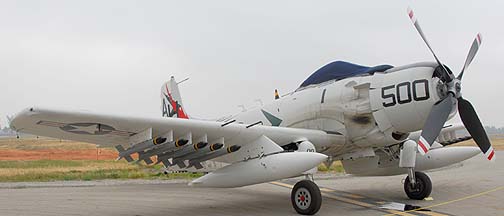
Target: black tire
[422, 189]
[306, 198]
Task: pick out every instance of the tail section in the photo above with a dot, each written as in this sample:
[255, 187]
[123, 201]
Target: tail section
[171, 101]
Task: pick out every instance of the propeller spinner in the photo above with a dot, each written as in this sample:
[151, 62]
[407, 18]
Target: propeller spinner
[441, 109]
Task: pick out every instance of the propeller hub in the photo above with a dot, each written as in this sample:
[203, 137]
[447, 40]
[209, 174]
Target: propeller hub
[447, 83]
[458, 87]
[442, 89]
[455, 88]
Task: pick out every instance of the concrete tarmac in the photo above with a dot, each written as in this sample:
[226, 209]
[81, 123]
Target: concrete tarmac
[475, 187]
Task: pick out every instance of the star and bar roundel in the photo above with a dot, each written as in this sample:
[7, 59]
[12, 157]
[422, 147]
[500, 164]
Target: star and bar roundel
[86, 128]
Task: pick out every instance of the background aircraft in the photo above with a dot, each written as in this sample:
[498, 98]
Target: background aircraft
[367, 117]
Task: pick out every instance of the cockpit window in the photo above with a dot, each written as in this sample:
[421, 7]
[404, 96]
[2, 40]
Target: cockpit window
[339, 70]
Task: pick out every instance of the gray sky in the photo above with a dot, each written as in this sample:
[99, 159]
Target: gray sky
[112, 56]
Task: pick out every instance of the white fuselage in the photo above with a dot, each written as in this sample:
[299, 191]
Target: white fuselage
[370, 111]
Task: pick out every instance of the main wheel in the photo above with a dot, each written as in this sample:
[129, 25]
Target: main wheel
[422, 188]
[306, 198]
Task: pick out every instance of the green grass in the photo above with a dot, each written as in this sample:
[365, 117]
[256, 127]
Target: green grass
[336, 166]
[95, 175]
[87, 170]
[59, 170]
[43, 144]
[40, 164]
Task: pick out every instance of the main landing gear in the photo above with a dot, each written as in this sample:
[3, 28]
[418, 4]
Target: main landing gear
[419, 188]
[306, 197]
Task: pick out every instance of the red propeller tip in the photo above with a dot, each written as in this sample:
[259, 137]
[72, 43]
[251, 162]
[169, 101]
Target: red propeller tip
[411, 15]
[422, 146]
[490, 154]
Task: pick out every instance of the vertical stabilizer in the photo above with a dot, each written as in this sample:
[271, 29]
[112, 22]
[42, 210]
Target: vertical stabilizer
[171, 101]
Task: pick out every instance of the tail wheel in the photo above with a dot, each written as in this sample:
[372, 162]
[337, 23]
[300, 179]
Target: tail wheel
[306, 198]
[421, 189]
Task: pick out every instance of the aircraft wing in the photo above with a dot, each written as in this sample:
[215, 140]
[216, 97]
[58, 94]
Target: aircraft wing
[111, 130]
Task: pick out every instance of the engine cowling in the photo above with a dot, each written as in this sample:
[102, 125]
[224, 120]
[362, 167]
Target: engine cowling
[402, 98]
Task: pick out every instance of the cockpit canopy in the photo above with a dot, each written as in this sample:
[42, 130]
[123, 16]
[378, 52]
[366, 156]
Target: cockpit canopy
[340, 70]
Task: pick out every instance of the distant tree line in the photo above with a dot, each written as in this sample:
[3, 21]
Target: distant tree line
[494, 130]
[491, 130]
[6, 131]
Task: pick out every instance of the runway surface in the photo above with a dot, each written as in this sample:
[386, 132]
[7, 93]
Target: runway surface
[475, 187]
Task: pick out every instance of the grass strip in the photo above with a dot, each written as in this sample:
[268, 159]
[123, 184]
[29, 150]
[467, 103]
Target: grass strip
[85, 170]
[336, 167]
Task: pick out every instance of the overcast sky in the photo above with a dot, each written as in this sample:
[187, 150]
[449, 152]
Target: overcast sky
[113, 56]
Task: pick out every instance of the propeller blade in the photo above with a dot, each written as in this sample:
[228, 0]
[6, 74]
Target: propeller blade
[472, 52]
[435, 121]
[473, 125]
[419, 30]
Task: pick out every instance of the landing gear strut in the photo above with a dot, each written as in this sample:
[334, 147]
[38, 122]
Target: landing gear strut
[306, 198]
[419, 188]
[417, 185]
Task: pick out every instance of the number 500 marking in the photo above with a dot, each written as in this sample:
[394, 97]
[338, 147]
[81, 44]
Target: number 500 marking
[393, 94]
